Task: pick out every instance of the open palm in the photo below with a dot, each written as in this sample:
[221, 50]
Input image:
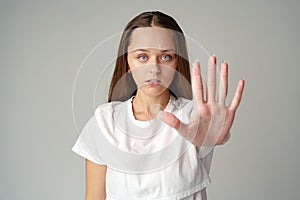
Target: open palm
[211, 119]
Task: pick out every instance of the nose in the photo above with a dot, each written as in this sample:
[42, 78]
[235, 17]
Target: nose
[154, 66]
[155, 69]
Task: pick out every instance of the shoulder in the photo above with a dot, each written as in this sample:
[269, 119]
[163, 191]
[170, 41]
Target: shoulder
[105, 114]
[101, 110]
[107, 109]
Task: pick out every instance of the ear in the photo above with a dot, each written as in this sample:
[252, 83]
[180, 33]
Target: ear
[128, 68]
[126, 63]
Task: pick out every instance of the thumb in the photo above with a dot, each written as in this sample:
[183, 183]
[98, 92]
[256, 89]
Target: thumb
[174, 122]
[170, 119]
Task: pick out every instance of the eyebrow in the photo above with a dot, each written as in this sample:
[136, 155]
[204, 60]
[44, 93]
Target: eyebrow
[146, 50]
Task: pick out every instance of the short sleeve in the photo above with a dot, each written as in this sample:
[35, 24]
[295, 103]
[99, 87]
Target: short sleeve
[86, 144]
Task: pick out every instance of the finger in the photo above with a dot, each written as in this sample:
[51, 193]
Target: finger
[189, 133]
[170, 119]
[237, 96]
[197, 86]
[211, 80]
[223, 86]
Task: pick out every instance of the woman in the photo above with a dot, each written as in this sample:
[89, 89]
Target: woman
[130, 151]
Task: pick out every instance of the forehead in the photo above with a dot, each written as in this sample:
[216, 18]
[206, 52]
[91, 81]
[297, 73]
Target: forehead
[151, 37]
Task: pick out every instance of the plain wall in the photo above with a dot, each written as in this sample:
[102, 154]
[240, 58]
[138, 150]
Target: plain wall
[43, 44]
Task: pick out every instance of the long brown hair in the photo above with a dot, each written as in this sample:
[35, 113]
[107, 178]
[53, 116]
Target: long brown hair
[122, 85]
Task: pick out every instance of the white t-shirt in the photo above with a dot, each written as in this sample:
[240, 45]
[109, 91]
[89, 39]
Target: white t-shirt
[145, 159]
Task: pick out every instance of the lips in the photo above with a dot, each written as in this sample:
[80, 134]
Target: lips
[153, 82]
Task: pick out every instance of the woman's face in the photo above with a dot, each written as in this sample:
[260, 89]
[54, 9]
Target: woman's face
[152, 59]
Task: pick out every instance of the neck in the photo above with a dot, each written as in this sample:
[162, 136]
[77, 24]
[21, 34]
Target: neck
[143, 103]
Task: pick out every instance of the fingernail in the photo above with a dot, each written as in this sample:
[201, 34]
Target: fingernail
[196, 62]
[225, 61]
[213, 59]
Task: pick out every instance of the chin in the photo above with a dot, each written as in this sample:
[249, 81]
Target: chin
[154, 91]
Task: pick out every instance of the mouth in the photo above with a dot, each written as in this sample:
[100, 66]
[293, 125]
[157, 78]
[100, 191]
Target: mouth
[153, 82]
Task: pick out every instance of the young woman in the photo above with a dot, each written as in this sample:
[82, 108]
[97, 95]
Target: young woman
[154, 138]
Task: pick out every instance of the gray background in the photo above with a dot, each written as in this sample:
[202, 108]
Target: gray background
[44, 43]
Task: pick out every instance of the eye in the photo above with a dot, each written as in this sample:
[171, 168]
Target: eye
[166, 57]
[142, 57]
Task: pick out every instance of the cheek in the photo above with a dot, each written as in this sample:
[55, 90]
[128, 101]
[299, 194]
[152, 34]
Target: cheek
[138, 74]
[168, 75]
